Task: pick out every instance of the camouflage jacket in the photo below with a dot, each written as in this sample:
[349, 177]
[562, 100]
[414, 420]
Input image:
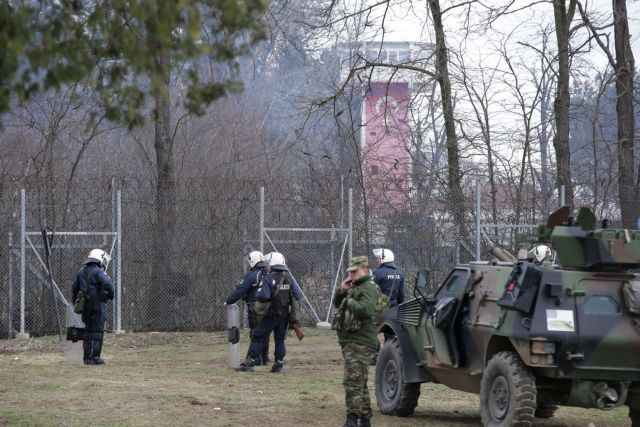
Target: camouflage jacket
[362, 303]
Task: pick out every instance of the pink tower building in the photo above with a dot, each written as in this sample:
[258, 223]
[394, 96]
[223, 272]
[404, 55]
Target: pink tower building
[385, 146]
[384, 133]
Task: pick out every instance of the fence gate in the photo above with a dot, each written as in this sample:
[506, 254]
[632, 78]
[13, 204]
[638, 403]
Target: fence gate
[318, 254]
[68, 249]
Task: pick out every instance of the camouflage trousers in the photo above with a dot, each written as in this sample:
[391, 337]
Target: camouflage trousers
[356, 369]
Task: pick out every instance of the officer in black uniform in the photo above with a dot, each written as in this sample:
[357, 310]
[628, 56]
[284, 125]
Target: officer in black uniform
[282, 291]
[97, 288]
[246, 290]
[390, 280]
[388, 277]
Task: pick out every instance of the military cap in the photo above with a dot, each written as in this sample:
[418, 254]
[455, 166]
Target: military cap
[358, 262]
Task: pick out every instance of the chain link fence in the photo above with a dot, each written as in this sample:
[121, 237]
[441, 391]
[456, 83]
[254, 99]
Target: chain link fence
[177, 271]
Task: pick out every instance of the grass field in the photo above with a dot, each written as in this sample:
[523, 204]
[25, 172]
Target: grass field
[183, 379]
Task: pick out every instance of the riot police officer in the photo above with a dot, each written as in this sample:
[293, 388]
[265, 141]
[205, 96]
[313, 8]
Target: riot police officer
[97, 288]
[388, 277]
[390, 280]
[246, 290]
[279, 290]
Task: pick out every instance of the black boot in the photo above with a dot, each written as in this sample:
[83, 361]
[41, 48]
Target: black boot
[278, 365]
[96, 350]
[352, 421]
[365, 422]
[86, 347]
[247, 366]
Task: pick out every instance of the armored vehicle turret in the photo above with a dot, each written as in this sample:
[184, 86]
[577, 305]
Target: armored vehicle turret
[526, 335]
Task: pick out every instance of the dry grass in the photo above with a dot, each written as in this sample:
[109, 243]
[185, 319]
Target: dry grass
[183, 379]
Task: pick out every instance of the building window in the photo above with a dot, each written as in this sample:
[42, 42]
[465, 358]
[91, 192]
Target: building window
[374, 169]
[372, 55]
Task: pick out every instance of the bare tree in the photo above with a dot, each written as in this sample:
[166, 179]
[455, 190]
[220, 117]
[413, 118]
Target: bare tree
[563, 17]
[480, 97]
[624, 68]
[453, 151]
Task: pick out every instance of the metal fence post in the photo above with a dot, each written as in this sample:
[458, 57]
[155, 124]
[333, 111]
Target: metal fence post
[262, 219]
[478, 223]
[119, 260]
[350, 219]
[23, 260]
[458, 244]
[341, 201]
[114, 268]
[10, 279]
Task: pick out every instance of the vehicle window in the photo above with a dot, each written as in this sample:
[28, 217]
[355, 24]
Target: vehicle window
[454, 284]
[601, 304]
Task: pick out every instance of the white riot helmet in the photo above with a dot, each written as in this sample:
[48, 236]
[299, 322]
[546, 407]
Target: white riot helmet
[99, 256]
[276, 259]
[540, 253]
[384, 255]
[255, 257]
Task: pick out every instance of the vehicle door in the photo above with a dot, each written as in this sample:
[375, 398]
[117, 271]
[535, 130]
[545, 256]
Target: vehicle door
[440, 324]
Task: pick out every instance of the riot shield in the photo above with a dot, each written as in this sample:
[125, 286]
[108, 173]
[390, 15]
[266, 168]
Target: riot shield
[233, 325]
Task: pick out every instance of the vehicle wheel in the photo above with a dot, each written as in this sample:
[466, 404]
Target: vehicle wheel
[507, 392]
[394, 396]
[546, 410]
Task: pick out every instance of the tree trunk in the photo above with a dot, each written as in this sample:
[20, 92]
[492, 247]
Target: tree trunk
[456, 198]
[563, 18]
[159, 304]
[624, 69]
[543, 135]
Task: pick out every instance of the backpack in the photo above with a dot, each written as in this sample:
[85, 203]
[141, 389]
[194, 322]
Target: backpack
[264, 295]
[281, 298]
[381, 306]
[384, 301]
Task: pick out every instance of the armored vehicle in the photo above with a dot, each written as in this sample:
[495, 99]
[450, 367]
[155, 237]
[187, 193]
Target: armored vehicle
[525, 334]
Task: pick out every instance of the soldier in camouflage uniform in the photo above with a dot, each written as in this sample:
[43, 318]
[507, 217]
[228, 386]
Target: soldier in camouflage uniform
[356, 301]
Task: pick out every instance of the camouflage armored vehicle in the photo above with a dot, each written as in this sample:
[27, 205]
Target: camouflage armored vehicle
[525, 335]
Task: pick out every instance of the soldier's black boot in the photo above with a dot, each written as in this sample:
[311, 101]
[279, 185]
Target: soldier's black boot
[247, 366]
[278, 365]
[352, 421]
[365, 422]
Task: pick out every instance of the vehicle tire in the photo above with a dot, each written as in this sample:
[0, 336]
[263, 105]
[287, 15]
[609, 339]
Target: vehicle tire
[545, 410]
[507, 392]
[394, 396]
